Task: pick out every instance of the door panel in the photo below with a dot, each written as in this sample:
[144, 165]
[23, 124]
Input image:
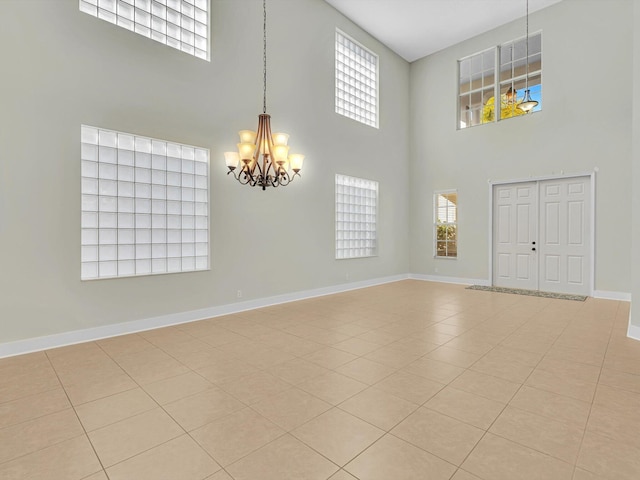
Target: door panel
[565, 235]
[556, 215]
[515, 228]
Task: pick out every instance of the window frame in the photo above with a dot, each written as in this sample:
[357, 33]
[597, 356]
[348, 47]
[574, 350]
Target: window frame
[140, 217]
[353, 216]
[353, 115]
[124, 13]
[436, 223]
[498, 83]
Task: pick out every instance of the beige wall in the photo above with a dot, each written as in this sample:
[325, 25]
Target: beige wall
[62, 68]
[586, 55]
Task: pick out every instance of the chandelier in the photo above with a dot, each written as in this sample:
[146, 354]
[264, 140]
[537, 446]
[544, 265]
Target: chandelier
[527, 104]
[264, 157]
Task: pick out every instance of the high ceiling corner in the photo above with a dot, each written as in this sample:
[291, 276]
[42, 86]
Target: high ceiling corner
[417, 28]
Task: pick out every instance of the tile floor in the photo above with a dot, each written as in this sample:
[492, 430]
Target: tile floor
[409, 380]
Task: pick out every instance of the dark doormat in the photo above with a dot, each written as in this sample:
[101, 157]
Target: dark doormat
[532, 293]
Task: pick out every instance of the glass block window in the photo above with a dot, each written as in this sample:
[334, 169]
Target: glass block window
[356, 81]
[446, 224]
[181, 24]
[356, 217]
[145, 205]
[500, 72]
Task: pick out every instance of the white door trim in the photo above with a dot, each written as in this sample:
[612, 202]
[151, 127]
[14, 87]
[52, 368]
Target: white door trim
[592, 181]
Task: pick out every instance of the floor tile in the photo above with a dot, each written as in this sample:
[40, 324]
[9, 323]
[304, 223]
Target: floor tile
[439, 434]
[552, 405]
[236, 435]
[283, 459]
[486, 386]
[411, 387]
[297, 371]
[175, 388]
[99, 388]
[459, 358]
[496, 458]
[356, 346]
[179, 458]
[330, 357]
[466, 407]
[338, 435]
[72, 459]
[434, 370]
[204, 407]
[619, 426]
[42, 432]
[291, 408]
[114, 408]
[393, 458]
[462, 475]
[332, 387]
[548, 436]
[379, 408]
[365, 371]
[132, 436]
[609, 459]
[255, 387]
[562, 384]
[33, 406]
[225, 371]
[342, 475]
[614, 398]
[620, 380]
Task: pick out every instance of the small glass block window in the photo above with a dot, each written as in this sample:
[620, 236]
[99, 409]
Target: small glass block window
[145, 205]
[356, 217]
[446, 224]
[181, 24]
[356, 81]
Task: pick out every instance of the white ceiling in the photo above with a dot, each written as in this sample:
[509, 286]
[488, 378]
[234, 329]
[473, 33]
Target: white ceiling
[416, 28]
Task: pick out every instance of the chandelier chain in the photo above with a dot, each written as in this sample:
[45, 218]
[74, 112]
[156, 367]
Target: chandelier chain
[264, 57]
[526, 78]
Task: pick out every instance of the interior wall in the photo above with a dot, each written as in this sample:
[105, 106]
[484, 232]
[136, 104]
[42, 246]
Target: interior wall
[634, 329]
[63, 68]
[569, 135]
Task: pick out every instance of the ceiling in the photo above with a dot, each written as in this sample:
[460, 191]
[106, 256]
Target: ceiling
[417, 28]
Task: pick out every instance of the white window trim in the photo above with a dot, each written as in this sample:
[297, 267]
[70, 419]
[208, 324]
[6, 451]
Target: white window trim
[377, 57]
[436, 193]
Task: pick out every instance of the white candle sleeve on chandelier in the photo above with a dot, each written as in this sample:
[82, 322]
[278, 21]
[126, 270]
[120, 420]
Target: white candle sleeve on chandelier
[247, 136]
[280, 153]
[232, 159]
[246, 151]
[296, 160]
[280, 138]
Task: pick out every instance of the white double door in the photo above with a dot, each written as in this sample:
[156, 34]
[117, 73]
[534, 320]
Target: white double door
[542, 235]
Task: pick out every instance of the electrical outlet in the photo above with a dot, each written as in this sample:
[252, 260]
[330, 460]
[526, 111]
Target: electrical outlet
[436, 270]
[347, 276]
[239, 294]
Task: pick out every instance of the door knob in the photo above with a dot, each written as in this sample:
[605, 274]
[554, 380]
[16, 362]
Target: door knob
[533, 249]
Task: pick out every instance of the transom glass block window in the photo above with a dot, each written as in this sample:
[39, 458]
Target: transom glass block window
[356, 217]
[478, 86]
[145, 205]
[446, 224]
[181, 24]
[356, 81]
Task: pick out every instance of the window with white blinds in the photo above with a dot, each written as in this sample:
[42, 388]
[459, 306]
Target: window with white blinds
[145, 205]
[181, 24]
[356, 217]
[356, 81]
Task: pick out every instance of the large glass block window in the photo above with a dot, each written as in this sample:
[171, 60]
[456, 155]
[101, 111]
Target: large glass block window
[446, 224]
[145, 205]
[478, 86]
[356, 81]
[181, 24]
[356, 217]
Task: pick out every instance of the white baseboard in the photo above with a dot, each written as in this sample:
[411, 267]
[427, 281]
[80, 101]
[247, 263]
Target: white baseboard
[606, 295]
[633, 332]
[456, 280]
[37, 344]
